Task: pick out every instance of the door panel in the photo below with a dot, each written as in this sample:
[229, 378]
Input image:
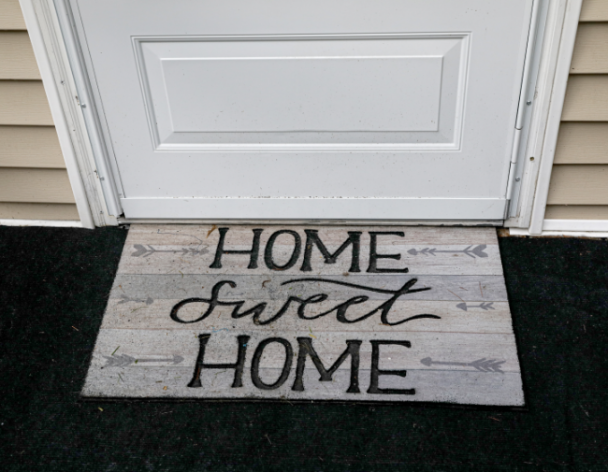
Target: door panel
[320, 109]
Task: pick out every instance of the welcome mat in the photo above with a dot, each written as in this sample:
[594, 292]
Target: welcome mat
[308, 313]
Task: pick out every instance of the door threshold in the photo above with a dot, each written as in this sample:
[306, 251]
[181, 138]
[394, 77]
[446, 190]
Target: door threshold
[124, 221]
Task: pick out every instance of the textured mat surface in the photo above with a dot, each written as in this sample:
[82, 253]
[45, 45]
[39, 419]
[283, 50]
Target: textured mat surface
[54, 285]
[304, 313]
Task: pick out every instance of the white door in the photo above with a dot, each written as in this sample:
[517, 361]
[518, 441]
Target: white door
[316, 109]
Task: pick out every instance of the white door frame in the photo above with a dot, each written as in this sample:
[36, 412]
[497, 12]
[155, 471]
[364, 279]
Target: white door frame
[81, 131]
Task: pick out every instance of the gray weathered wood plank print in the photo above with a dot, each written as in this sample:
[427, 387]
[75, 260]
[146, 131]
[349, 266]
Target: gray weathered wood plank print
[291, 313]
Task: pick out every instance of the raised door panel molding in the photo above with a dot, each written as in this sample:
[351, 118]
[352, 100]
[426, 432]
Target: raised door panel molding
[579, 185]
[24, 103]
[17, 59]
[594, 10]
[11, 17]
[35, 186]
[591, 49]
[38, 211]
[582, 143]
[586, 98]
[185, 80]
[30, 146]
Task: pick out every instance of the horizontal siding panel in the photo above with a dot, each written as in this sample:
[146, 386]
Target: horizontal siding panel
[577, 212]
[30, 146]
[579, 185]
[24, 103]
[591, 49]
[38, 211]
[17, 59]
[582, 143]
[35, 186]
[586, 98]
[594, 10]
[11, 17]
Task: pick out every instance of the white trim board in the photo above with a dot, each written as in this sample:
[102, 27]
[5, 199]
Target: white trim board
[553, 120]
[568, 228]
[74, 138]
[537, 155]
[57, 223]
[575, 225]
[80, 135]
[35, 30]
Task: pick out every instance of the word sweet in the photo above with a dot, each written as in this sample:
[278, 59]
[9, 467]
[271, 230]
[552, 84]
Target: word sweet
[341, 309]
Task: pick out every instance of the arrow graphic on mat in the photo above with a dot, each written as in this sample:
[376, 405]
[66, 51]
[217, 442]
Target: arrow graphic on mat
[141, 250]
[483, 365]
[125, 299]
[124, 360]
[483, 306]
[469, 251]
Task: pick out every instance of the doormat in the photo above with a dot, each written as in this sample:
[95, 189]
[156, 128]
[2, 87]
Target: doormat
[308, 314]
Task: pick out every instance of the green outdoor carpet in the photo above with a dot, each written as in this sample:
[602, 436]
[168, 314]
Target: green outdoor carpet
[54, 285]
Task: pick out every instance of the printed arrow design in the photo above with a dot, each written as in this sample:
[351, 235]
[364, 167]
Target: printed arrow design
[124, 360]
[125, 299]
[483, 365]
[143, 251]
[484, 306]
[471, 251]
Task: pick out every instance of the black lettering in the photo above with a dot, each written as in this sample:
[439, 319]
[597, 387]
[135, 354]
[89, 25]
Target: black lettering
[312, 238]
[342, 308]
[213, 302]
[237, 366]
[306, 348]
[318, 298]
[376, 372]
[294, 255]
[374, 256]
[255, 364]
[255, 249]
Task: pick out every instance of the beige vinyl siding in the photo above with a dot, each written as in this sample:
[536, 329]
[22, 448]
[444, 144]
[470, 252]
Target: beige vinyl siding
[17, 59]
[579, 185]
[594, 10]
[30, 146]
[591, 50]
[10, 15]
[579, 181]
[34, 184]
[577, 212]
[38, 211]
[582, 143]
[23, 102]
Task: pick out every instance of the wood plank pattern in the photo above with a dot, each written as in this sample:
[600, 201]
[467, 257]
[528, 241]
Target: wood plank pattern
[578, 185]
[17, 59]
[590, 54]
[11, 17]
[24, 103]
[30, 146]
[35, 186]
[38, 211]
[594, 10]
[582, 143]
[586, 98]
[444, 325]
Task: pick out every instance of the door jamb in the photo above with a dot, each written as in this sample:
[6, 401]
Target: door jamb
[556, 55]
[88, 163]
[68, 111]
